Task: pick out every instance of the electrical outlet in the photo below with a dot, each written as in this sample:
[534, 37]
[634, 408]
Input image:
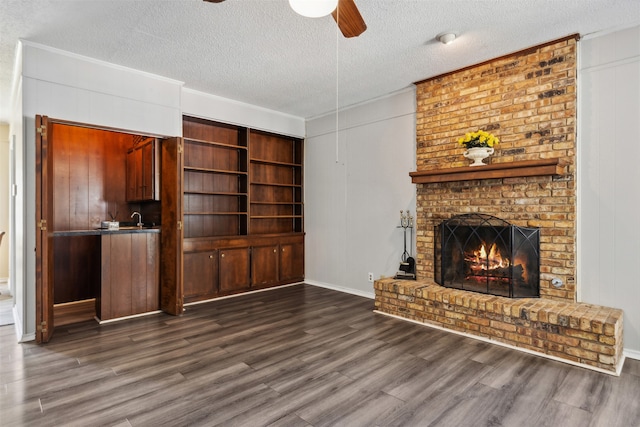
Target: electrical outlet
[371, 277]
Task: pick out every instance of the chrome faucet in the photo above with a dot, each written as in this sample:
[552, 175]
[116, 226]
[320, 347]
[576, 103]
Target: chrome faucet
[139, 224]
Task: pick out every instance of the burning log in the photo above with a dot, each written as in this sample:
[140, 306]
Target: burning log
[516, 273]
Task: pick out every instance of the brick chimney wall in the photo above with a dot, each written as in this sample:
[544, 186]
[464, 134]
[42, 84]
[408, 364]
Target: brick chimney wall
[528, 100]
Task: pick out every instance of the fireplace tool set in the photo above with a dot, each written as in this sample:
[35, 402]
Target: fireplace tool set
[407, 268]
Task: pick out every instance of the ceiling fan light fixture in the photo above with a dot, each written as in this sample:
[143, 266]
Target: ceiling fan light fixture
[313, 8]
[446, 38]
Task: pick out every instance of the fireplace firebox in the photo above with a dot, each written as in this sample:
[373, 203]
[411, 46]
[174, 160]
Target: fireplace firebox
[486, 254]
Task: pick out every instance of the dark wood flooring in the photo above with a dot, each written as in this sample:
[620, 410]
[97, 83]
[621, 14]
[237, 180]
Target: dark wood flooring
[296, 356]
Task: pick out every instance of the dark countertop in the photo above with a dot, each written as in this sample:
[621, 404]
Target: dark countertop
[104, 231]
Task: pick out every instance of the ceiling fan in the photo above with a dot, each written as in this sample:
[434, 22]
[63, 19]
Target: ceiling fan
[346, 15]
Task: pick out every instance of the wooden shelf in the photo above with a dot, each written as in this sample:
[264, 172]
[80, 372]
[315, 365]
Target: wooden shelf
[275, 216]
[214, 213]
[216, 144]
[276, 184]
[275, 163]
[215, 193]
[209, 170]
[257, 202]
[498, 170]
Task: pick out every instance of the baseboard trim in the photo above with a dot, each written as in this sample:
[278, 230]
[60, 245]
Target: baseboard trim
[243, 293]
[18, 328]
[133, 316]
[631, 354]
[370, 295]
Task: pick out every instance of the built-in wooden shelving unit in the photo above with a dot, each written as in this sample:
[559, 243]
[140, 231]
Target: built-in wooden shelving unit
[242, 209]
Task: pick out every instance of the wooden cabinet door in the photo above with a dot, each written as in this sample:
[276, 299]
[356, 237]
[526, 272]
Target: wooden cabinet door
[131, 177]
[129, 275]
[234, 269]
[145, 272]
[142, 173]
[200, 275]
[291, 261]
[134, 175]
[149, 174]
[264, 265]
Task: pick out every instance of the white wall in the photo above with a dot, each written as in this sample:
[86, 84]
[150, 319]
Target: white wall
[18, 258]
[224, 110]
[355, 186]
[608, 177]
[5, 155]
[72, 87]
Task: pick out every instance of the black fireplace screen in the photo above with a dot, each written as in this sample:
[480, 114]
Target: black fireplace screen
[485, 254]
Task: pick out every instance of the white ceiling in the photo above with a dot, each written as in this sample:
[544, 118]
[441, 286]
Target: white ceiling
[263, 53]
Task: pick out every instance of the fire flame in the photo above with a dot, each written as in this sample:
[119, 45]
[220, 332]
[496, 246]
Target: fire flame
[481, 261]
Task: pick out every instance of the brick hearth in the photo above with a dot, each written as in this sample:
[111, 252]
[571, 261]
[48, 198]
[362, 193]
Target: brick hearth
[578, 333]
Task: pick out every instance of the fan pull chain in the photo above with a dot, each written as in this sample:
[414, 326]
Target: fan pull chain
[337, 86]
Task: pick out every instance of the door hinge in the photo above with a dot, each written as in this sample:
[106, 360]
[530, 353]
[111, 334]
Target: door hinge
[42, 130]
[179, 225]
[42, 224]
[42, 327]
[180, 148]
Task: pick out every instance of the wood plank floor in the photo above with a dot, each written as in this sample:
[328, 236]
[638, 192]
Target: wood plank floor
[296, 356]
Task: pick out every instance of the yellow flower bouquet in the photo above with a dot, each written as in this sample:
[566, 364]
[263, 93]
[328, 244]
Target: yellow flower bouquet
[478, 139]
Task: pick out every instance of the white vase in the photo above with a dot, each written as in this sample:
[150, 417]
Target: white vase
[477, 154]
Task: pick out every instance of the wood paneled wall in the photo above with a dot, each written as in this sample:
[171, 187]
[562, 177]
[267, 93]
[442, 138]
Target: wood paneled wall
[77, 268]
[88, 176]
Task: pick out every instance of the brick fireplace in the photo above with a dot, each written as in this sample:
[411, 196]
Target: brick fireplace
[528, 100]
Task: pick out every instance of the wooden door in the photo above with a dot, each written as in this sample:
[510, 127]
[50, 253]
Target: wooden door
[234, 269]
[291, 261]
[171, 287]
[44, 243]
[264, 265]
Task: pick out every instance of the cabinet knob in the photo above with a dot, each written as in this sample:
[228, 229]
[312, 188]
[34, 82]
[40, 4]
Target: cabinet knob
[274, 251]
[282, 249]
[222, 255]
[210, 256]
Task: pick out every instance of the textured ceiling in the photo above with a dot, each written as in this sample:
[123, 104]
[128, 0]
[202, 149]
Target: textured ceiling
[263, 53]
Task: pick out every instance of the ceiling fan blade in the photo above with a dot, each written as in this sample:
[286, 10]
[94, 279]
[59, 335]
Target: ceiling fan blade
[348, 18]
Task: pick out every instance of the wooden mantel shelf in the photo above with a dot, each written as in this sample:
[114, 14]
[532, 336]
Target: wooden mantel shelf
[498, 170]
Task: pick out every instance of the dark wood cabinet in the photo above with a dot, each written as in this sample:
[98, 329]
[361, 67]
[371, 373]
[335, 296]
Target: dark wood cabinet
[234, 270]
[200, 275]
[279, 263]
[212, 273]
[130, 275]
[292, 261]
[143, 172]
[242, 199]
[265, 261]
